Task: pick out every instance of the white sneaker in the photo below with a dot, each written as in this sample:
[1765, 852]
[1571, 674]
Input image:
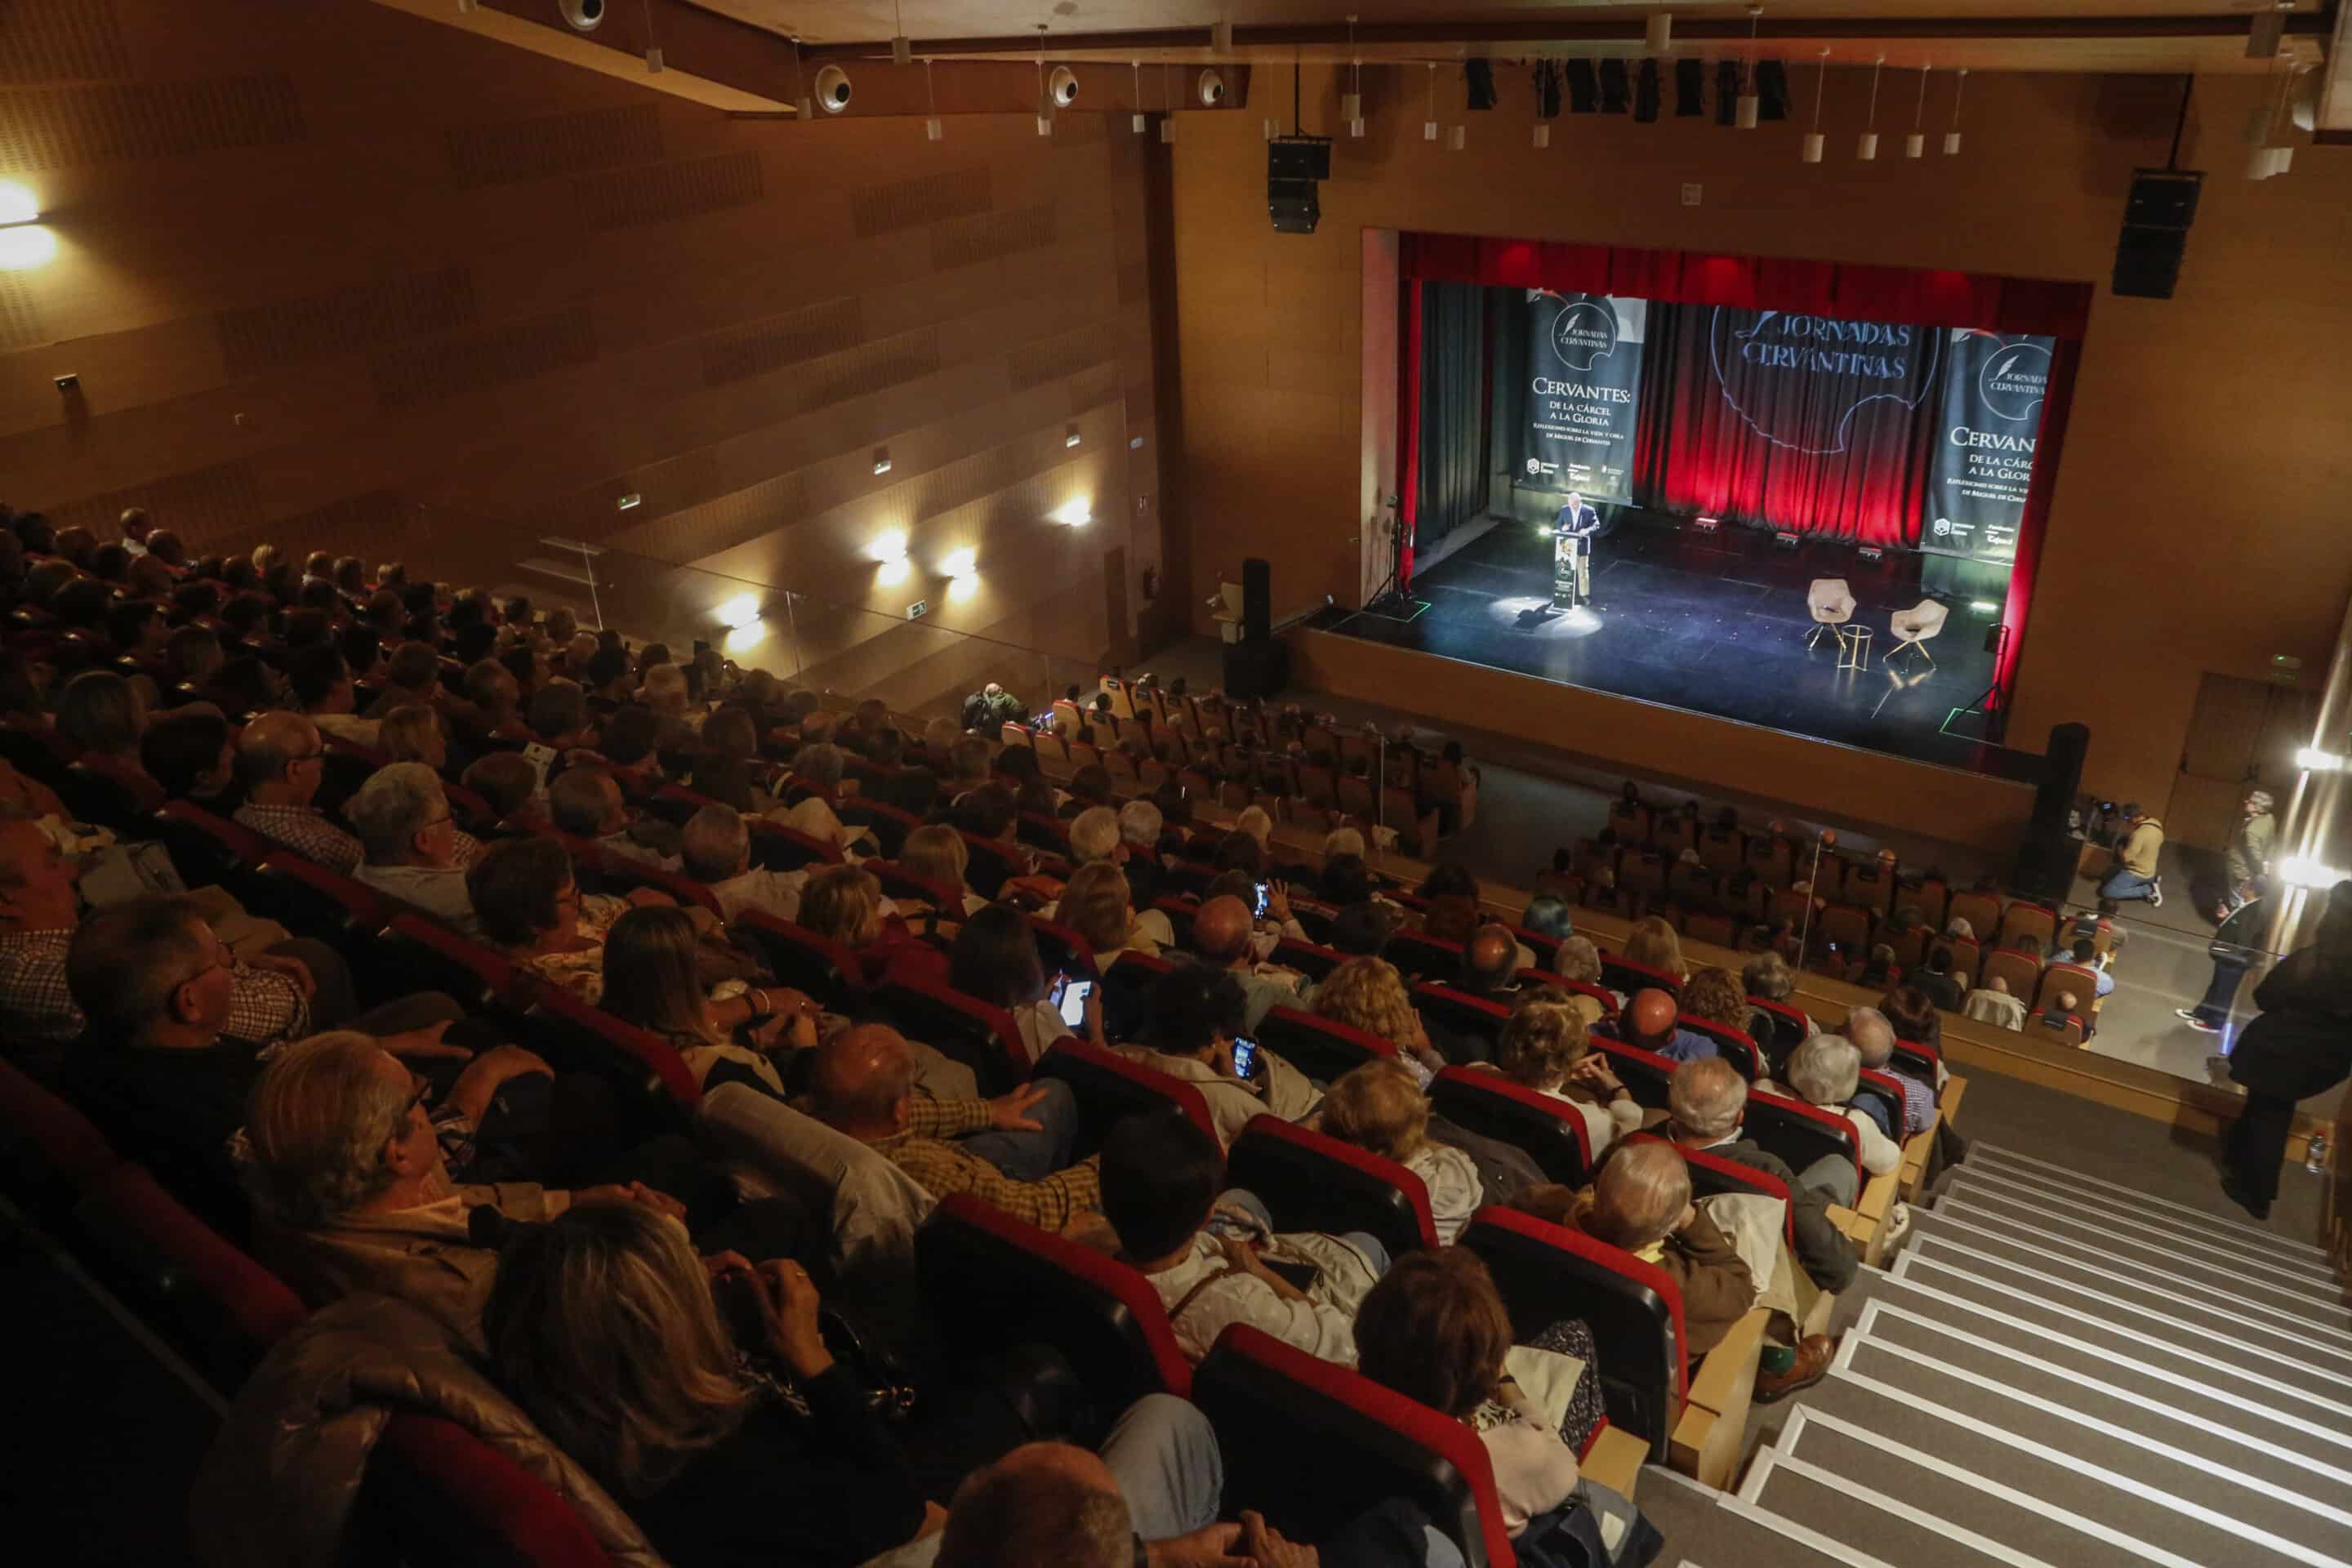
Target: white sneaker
[2155, 895]
[1898, 1225]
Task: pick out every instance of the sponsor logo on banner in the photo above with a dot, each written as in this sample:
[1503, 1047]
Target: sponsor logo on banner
[1849, 366]
[1584, 363]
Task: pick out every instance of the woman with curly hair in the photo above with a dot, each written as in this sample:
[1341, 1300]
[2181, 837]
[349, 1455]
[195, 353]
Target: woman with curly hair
[1653, 942]
[1378, 1108]
[1367, 993]
[1716, 995]
[1545, 1047]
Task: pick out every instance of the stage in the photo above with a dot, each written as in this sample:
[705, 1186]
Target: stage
[1714, 623]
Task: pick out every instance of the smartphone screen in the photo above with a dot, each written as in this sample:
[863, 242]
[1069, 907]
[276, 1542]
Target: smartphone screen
[1070, 999]
[1244, 1059]
[1261, 900]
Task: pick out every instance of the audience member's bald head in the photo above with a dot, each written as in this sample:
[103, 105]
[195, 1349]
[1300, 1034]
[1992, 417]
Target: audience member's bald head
[268, 751]
[861, 1081]
[1043, 1503]
[1221, 930]
[1650, 1018]
[1639, 1195]
[1872, 1034]
[1489, 956]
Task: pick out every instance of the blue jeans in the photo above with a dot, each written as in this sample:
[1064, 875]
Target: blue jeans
[1033, 1156]
[2125, 886]
[2221, 993]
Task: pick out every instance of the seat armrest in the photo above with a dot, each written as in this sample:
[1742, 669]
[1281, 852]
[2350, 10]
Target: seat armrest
[1615, 1461]
[1705, 1442]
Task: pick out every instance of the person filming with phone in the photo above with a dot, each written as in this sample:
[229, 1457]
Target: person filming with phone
[1198, 1033]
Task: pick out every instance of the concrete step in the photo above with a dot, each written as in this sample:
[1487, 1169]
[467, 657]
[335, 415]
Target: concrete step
[2321, 1422]
[2316, 1437]
[2121, 1216]
[2136, 1293]
[1707, 1529]
[2059, 1391]
[2316, 1300]
[2195, 1221]
[1858, 1495]
[2257, 1341]
[2116, 1473]
[1963, 1477]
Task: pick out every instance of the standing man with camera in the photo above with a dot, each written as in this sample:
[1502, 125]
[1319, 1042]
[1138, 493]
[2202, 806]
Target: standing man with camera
[2249, 854]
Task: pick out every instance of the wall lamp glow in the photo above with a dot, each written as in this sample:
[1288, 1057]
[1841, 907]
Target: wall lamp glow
[1070, 437]
[2312, 760]
[742, 638]
[1075, 514]
[742, 610]
[961, 563]
[22, 241]
[2303, 872]
[892, 573]
[962, 588]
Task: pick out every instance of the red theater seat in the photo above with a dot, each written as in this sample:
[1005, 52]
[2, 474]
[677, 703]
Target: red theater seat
[781, 848]
[49, 1151]
[567, 1031]
[800, 958]
[433, 1492]
[1419, 957]
[1108, 1086]
[1473, 1014]
[982, 1037]
[1322, 1048]
[1623, 974]
[1553, 1133]
[1645, 1074]
[416, 954]
[1802, 1134]
[1735, 1046]
[1062, 948]
[1310, 1181]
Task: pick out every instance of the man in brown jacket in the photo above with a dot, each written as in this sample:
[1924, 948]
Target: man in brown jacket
[2133, 875]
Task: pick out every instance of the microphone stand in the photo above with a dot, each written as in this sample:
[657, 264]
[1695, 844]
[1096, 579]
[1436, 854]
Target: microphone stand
[1812, 891]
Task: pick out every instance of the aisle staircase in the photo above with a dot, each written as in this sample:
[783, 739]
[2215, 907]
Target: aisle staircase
[2056, 1372]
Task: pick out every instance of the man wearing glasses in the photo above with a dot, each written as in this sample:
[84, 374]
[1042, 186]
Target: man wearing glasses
[282, 758]
[411, 844]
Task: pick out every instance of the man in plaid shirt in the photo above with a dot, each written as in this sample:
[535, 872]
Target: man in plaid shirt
[282, 758]
[1009, 1151]
[1873, 1037]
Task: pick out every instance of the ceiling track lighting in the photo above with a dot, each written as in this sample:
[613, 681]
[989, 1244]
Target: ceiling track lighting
[1812, 148]
[1915, 144]
[1952, 137]
[1351, 102]
[1137, 122]
[1750, 103]
[902, 49]
[1429, 126]
[1658, 34]
[934, 128]
[1866, 148]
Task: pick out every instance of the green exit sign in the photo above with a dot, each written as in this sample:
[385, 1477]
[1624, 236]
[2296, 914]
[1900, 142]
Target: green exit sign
[919, 609]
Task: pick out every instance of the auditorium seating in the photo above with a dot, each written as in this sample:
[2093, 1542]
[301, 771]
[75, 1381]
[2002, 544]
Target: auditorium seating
[1553, 1133]
[1108, 1087]
[1323, 1049]
[1311, 1181]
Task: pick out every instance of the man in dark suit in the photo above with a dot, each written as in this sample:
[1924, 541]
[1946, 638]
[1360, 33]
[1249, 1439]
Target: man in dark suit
[1572, 569]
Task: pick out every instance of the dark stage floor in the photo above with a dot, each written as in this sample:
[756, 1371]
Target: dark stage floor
[1714, 623]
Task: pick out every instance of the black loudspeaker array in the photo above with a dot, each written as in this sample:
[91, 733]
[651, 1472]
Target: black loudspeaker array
[1690, 86]
[1257, 599]
[1771, 90]
[1479, 81]
[2162, 205]
[1296, 167]
[2046, 859]
[1583, 88]
[1614, 85]
[1727, 92]
[1645, 93]
[1256, 666]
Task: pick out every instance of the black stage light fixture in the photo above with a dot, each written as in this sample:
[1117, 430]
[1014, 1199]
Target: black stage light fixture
[1296, 167]
[1727, 92]
[1645, 93]
[1546, 89]
[1583, 88]
[1479, 77]
[1690, 88]
[1614, 85]
[1772, 88]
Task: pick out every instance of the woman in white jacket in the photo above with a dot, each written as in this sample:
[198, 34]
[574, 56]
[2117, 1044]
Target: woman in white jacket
[1825, 1071]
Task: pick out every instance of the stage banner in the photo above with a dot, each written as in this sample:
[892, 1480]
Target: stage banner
[1983, 464]
[1584, 388]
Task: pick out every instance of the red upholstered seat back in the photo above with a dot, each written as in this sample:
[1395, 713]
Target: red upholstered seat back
[1310, 1181]
[982, 1037]
[1735, 1045]
[437, 1494]
[655, 1059]
[1553, 1133]
[1108, 1086]
[1323, 1049]
[1802, 1134]
[1624, 974]
[800, 958]
[48, 1150]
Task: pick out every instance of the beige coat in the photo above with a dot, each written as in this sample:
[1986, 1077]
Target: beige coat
[277, 1490]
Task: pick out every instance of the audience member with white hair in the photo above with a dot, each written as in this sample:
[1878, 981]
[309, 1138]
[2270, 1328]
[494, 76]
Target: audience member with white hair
[587, 804]
[818, 765]
[1707, 1103]
[1096, 838]
[1875, 1038]
[1824, 1072]
[401, 815]
[1141, 823]
[716, 851]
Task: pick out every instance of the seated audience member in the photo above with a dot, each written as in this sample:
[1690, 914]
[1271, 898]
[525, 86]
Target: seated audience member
[1580, 960]
[178, 1028]
[1937, 982]
[1824, 1072]
[137, 628]
[844, 904]
[1640, 1202]
[410, 844]
[1141, 823]
[1364, 929]
[1097, 904]
[664, 691]
[718, 853]
[559, 716]
[411, 674]
[1708, 1100]
[1653, 942]
[2086, 953]
[627, 740]
[1011, 1151]
[508, 785]
[1435, 1330]
[587, 804]
[527, 903]
[1768, 977]
[491, 712]
[1489, 959]
[322, 685]
[1379, 1106]
[1545, 1046]
[1162, 1182]
[1992, 1003]
[1367, 993]
[1716, 996]
[281, 760]
[412, 732]
[1194, 1014]
[819, 767]
[1914, 1014]
[1873, 1035]
[603, 1327]
[1549, 914]
[652, 978]
[995, 960]
[193, 657]
[1452, 895]
[990, 814]
[187, 751]
[1649, 1022]
[937, 853]
[102, 713]
[1346, 881]
[1222, 933]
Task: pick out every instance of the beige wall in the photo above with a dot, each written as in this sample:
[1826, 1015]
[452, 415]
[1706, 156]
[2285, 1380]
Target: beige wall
[329, 273]
[2199, 522]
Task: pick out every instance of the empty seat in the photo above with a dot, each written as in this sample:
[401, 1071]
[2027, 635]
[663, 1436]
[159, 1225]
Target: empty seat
[1419, 957]
[1310, 1181]
[982, 1037]
[1108, 1086]
[1322, 1048]
[1551, 1133]
[993, 1283]
[1311, 1445]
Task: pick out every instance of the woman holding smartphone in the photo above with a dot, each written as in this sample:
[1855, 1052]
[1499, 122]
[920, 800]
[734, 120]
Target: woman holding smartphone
[995, 960]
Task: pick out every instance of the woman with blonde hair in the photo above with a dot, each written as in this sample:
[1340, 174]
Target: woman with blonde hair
[1097, 904]
[412, 733]
[1378, 1108]
[605, 1328]
[1367, 993]
[1545, 1047]
[652, 979]
[1653, 942]
[1580, 960]
[844, 904]
[937, 853]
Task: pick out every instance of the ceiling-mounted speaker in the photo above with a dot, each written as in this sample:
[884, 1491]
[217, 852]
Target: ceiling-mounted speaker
[1478, 83]
[833, 90]
[1616, 90]
[1690, 88]
[2155, 238]
[1583, 88]
[1727, 92]
[584, 15]
[1645, 93]
[1772, 88]
[1212, 90]
[1063, 87]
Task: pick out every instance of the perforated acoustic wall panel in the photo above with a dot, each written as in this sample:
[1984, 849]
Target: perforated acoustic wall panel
[331, 275]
